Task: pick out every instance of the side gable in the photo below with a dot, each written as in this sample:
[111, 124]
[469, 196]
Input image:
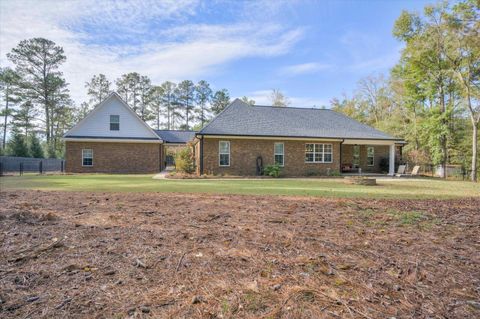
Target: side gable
[96, 125]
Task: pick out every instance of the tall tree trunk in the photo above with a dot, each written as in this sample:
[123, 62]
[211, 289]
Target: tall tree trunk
[474, 150]
[6, 118]
[169, 107]
[443, 138]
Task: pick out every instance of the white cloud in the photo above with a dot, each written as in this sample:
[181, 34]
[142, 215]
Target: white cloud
[114, 37]
[304, 68]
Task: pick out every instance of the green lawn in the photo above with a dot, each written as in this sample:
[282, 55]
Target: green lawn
[388, 188]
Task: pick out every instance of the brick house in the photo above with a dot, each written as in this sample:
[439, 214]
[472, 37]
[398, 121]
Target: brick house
[303, 141]
[241, 140]
[113, 139]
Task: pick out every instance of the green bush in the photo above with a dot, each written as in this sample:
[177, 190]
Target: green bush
[335, 173]
[184, 161]
[272, 170]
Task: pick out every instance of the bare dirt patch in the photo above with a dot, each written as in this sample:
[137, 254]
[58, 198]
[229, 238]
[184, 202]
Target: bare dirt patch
[94, 255]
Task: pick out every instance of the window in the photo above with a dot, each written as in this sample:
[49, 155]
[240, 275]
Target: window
[87, 157]
[114, 122]
[356, 156]
[278, 153]
[370, 156]
[224, 153]
[318, 153]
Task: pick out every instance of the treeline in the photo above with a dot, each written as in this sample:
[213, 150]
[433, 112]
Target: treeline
[432, 96]
[36, 102]
[170, 105]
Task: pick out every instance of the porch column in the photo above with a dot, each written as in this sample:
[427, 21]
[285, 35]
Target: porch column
[391, 165]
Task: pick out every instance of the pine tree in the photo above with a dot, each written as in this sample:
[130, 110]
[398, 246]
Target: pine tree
[203, 96]
[17, 146]
[23, 118]
[98, 89]
[9, 81]
[220, 100]
[37, 62]
[186, 95]
[35, 148]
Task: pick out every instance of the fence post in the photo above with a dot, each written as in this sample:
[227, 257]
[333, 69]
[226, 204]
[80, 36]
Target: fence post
[40, 167]
[21, 169]
[61, 166]
[1, 169]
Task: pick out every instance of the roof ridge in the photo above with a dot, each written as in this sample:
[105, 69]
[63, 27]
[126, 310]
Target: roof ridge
[176, 130]
[293, 107]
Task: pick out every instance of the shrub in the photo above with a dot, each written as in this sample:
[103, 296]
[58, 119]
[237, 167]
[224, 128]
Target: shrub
[272, 170]
[184, 161]
[335, 173]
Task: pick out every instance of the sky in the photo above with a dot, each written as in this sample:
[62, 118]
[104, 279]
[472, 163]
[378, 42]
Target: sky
[312, 51]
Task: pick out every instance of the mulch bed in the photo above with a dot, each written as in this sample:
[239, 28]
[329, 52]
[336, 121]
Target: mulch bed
[112, 255]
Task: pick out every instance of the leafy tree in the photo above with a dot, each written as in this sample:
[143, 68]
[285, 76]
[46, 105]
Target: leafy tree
[145, 98]
[128, 87]
[98, 89]
[35, 149]
[278, 98]
[425, 40]
[9, 81]
[463, 51]
[203, 96]
[37, 62]
[186, 95]
[247, 100]
[185, 161]
[17, 146]
[138, 92]
[168, 98]
[220, 100]
[23, 118]
[80, 112]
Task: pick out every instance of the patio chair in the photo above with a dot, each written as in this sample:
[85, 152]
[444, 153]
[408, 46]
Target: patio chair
[415, 170]
[401, 170]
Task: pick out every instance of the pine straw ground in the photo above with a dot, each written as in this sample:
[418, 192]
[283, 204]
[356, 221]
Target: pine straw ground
[112, 255]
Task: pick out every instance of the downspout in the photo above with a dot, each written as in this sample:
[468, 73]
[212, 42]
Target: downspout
[201, 156]
[340, 168]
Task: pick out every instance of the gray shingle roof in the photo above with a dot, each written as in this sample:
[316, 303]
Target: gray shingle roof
[173, 136]
[242, 119]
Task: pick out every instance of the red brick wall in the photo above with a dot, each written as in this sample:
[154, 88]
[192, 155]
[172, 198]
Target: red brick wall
[244, 152]
[380, 151]
[115, 157]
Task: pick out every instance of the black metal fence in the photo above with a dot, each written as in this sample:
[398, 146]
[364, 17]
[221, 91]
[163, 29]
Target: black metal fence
[20, 165]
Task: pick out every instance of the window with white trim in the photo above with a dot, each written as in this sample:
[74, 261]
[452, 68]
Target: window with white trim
[278, 153]
[370, 156]
[318, 153]
[114, 122]
[224, 153]
[87, 157]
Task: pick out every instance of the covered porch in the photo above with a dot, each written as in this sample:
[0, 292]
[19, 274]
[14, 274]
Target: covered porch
[370, 157]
